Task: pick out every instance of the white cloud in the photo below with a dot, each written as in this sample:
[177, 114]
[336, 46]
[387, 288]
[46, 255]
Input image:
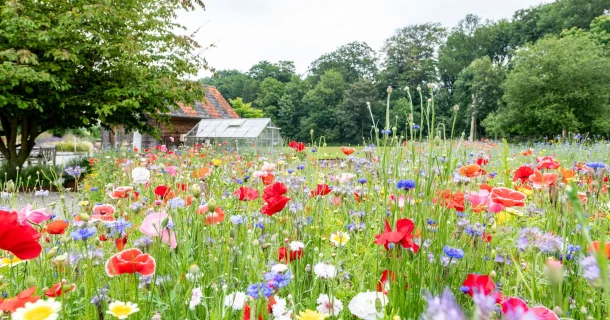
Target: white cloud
[247, 31]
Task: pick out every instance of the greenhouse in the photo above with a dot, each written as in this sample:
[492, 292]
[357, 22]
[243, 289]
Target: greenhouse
[258, 135]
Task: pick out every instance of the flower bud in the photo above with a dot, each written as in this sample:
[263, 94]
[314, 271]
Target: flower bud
[52, 252]
[10, 186]
[430, 86]
[553, 271]
[164, 222]
[30, 281]
[389, 89]
[410, 117]
[418, 88]
[196, 190]
[66, 287]
[83, 216]
[456, 108]
[194, 269]
[65, 239]
[212, 205]
[407, 88]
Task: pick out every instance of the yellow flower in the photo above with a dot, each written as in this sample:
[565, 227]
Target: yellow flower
[526, 191]
[311, 315]
[502, 217]
[4, 262]
[121, 309]
[339, 239]
[217, 162]
[83, 203]
[39, 310]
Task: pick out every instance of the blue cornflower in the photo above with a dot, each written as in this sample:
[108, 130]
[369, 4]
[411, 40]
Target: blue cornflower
[301, 167]
[120, 225]
[290, 171]
[236, 219]
[596, 165]
[278, 280]
[415, 127]
[258, 290]
[314, 150]
[74, 171]
[405, 184]
[260, 225]
[453, 253]
[386, 132]
[176, 203]
[83, 234]
[362, 181]
[95, 189]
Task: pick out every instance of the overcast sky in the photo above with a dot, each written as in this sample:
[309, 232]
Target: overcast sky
[247, 31]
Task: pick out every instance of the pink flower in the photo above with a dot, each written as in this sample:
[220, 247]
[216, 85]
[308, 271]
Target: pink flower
[171, 139]
[171, 170]
[494, 207]
[268, 167]
[479, 198]
[34, 216]
[152, 225]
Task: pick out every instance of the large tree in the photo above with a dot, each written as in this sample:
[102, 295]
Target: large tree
[355, 60]
[233, 84]
[281, 71]
[268, 97]
[70, 64]
[557, 84]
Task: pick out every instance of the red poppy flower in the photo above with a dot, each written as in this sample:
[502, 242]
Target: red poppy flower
[20, 240]
[547, 162]
[162, 191]
[268, 179]
[322, 190]
[274, 205]
[523, 174]
[58, 289]
[450, 200]
[481, 284]
[247, 313]
[482, 161]
[130, 261]
[276, 189]
[57, 227]
[298, 146]
[211, 218]
[402, 235]
[527, 152]
[284, 253]
[120, 242]
[25, 296]
[508, 197]
[347, 151]
[246, 193]
[541, 180]
[104, 209]
[470, 171]
[594, 247]
[383, 284]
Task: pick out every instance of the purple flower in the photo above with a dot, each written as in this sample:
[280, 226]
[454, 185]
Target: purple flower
[442, 307]
[453, 253]
[405, 184]
[257, 290]
[83, 234]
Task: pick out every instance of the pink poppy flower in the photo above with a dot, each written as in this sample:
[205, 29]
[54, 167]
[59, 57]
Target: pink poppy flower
[151, 226]
[120, 192]
[35, 216]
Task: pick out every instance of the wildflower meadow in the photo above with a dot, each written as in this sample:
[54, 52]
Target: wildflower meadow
[418, 228]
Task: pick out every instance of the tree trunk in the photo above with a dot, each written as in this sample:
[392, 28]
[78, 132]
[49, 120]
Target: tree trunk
[29, 132]
[473, 119]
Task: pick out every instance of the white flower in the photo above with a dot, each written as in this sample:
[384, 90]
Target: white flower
[235, 300]
[325, 270]
[44, 309]
[280, 312]
[140, 175]
[196, 296]
[363, 305]
[327, 307]
[339, 239]
[279, 268]
[269, 167]
[121, 309]
[296, 245]
[258, 174]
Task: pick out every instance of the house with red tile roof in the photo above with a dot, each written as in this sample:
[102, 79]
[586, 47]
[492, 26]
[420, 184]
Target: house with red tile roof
[182, 120]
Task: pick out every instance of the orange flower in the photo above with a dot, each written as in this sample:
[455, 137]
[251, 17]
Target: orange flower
[541, 180]
[508, 197]
[347, 151]
[567, 175]
[57, 227]
[20, 300]
[471, 170]
[594, 247]
[527, 152]
[201, 173]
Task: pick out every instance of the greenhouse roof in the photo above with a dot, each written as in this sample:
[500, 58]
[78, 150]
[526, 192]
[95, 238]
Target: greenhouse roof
[231, 128]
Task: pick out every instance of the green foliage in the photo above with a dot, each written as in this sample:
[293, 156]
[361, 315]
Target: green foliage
[557, 84]
[233, 84]
[281, 71]
[353, 114]
[68, 64]
[268, 98]
[245, 110]
[354, 61]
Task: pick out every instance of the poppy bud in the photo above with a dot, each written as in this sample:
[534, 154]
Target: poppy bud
[212, 205]
[51, 252]
[61, 259]
[456, 108]
[493, 273]
[418, 88]
[164, 222]
[83, 216]
[194, 269]
[407, 88]
[30, 281]
[10, 186]
[66, 287]
[553, 271]
[65, 239]
[389, 89]
[410, 117]
[368, 104]
[430, 86]
[378, 305]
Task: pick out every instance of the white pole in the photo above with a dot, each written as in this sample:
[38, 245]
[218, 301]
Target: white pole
[74, 144]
